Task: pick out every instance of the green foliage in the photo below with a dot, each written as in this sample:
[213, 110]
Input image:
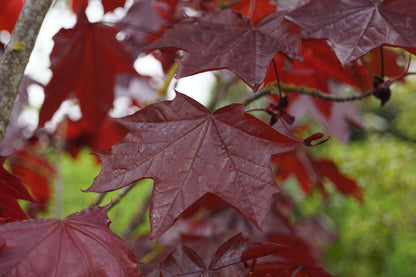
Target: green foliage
[377, 238]
[77, 174]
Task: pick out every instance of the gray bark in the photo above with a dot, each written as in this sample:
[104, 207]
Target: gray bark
[16, 56]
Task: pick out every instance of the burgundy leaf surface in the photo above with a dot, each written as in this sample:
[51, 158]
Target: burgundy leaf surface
[11, 189]
[84, 62]
[190, 152]
[357, 26]
[80, 245]
[228, 40]
[187, 262]
[311, 172]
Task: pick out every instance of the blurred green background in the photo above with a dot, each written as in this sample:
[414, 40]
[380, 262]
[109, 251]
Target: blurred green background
[376, 238]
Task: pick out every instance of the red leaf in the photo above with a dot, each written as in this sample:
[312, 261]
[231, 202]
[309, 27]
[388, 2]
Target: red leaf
[111, 5]
[252, 9]
[275, 269]
[9, 12]
[84, 62]
[345, 185]
[341, 115]
[79, 134]
[36, 172]
[190, 152]
[80, 245]
[186, 262]
[310, 172]
[227, 39]
[372, 62]
[11, 189]
[79, 5]
[319, 66]
[357, 26]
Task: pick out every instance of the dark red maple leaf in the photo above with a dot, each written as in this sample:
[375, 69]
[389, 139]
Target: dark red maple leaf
[36, 172]
[391, 59]
[84, 62]
[78, 134]
[190, 152]
[80, 245]
[252, 9]
[186, 262]
[319, 66]
[227, 39]
[357, 26]
[9, 12]
[275, 269]
[111, 5]
[108, 5]
[11, 189]
[311, 172]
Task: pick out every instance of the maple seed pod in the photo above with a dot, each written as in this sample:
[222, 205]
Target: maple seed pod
[381, 89]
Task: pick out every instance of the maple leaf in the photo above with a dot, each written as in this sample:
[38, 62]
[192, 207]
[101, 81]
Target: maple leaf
[319, 66]
[36, 172]
[9, 12]
[108, 5]
[190, 152]
[78, 134]
[111, 5]
[11, 189]
[391, 59]
[357, 26]
[310, 172]
[186, 262]
[51, 247]
[254, 10]
[228, 40]
[275, 269]
[84, 62]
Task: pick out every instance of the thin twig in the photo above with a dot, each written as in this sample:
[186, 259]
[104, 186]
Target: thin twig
[116, 199]
[97, 199]
[272, 89]
[137, 219]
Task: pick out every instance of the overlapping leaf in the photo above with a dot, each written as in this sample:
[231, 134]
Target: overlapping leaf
[190, 152]
[84, 62]
[254, 10]
[319, 66]
[108, 5]
[78, 134]
[11, 189]
[81, 245]
[357, 26]
[186, 262]
[312, 172]
[36, 172]
[227, 39]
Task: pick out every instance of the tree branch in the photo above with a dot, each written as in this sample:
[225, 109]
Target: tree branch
[273, 89]
[16, 56]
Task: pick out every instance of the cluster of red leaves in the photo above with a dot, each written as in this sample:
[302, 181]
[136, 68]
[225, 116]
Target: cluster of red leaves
[9, 12]
[217, 165]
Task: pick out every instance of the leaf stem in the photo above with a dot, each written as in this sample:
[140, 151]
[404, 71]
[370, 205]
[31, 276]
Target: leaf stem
[137, 220]
[169, 76]
[116, 199]
[98, 199]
